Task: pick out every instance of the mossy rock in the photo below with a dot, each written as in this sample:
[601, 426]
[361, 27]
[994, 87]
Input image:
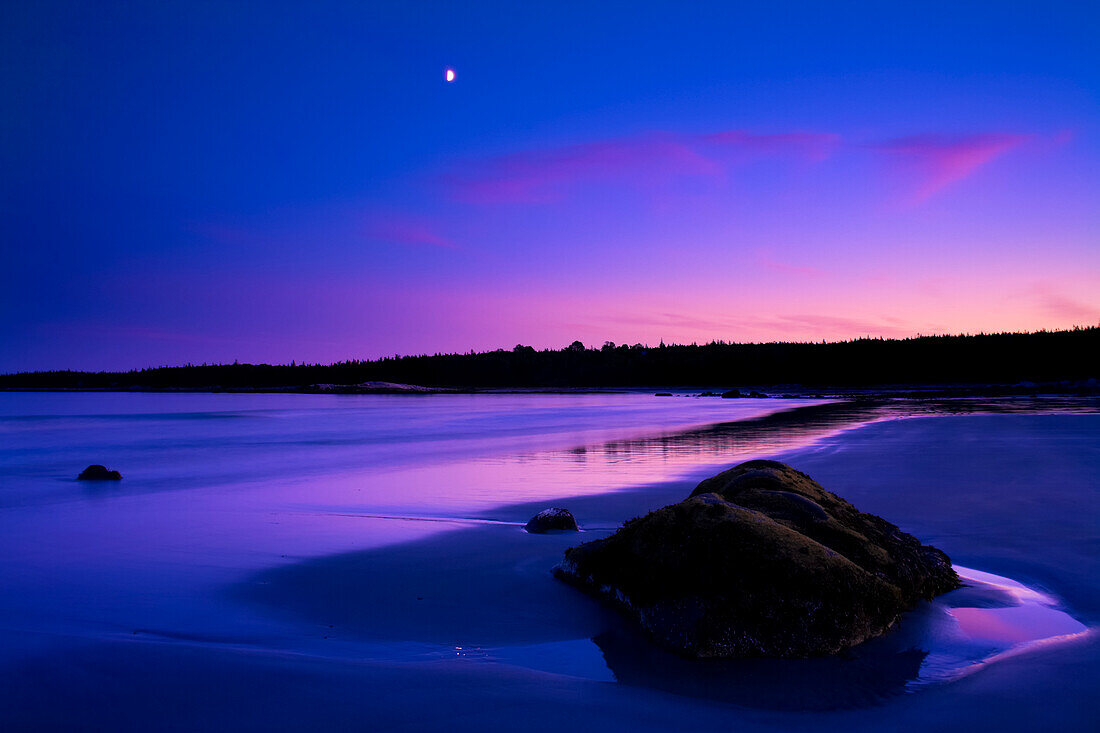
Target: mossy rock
[760, 560]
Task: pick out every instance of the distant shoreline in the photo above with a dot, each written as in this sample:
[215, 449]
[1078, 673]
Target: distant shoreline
[1076, 388]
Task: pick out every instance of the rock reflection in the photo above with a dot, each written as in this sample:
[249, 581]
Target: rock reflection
[956, 634]
[869, 675]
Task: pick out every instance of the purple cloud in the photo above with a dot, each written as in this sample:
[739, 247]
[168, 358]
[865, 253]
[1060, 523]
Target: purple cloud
[644, 161]
[942, 160]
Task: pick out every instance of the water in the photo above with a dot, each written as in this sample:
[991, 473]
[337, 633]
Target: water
[347, 450]
[388, 529]
[219, 485]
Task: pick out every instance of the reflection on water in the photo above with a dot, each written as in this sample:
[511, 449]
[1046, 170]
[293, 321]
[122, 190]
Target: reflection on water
[445, 455]
[602, 466]
[793, 428]
[938, 641]
[382, 452]
[825, 683]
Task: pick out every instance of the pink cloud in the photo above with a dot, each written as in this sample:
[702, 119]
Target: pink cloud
[400, 229]
[1066, 309]
[942, 160]
[685, 327]
[672, 320]
[645, 161]
[842, 327]
[1070, 310]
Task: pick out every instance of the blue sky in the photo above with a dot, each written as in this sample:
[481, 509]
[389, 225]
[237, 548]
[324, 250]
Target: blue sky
[267, 182]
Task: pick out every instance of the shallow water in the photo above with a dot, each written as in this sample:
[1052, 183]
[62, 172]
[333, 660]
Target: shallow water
[218, 485]
[434, 453]
[387, 530]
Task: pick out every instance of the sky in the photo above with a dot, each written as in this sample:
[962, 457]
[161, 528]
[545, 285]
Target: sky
[267, 182]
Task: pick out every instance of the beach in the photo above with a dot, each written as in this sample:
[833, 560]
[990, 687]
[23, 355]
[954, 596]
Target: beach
[267, 563]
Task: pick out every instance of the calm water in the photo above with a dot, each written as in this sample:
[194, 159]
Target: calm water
[438, 454]
[218, 486]
[387, 527]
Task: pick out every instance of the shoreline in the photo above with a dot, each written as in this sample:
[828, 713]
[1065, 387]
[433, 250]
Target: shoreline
[1066, 389]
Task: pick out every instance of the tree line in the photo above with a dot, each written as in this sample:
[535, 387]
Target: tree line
[1001, 358]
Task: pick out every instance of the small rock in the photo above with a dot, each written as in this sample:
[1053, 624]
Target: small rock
[732, 394]
[552, 519]
[663, 394]
[96, 472]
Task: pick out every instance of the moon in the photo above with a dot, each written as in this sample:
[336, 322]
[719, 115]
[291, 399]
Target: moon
[449, 75]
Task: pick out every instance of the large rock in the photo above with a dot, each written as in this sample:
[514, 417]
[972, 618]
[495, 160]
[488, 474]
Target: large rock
[760, 560]
[96, 472]
[552, 519]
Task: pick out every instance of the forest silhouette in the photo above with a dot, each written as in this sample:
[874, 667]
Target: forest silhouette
[1041, 357]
